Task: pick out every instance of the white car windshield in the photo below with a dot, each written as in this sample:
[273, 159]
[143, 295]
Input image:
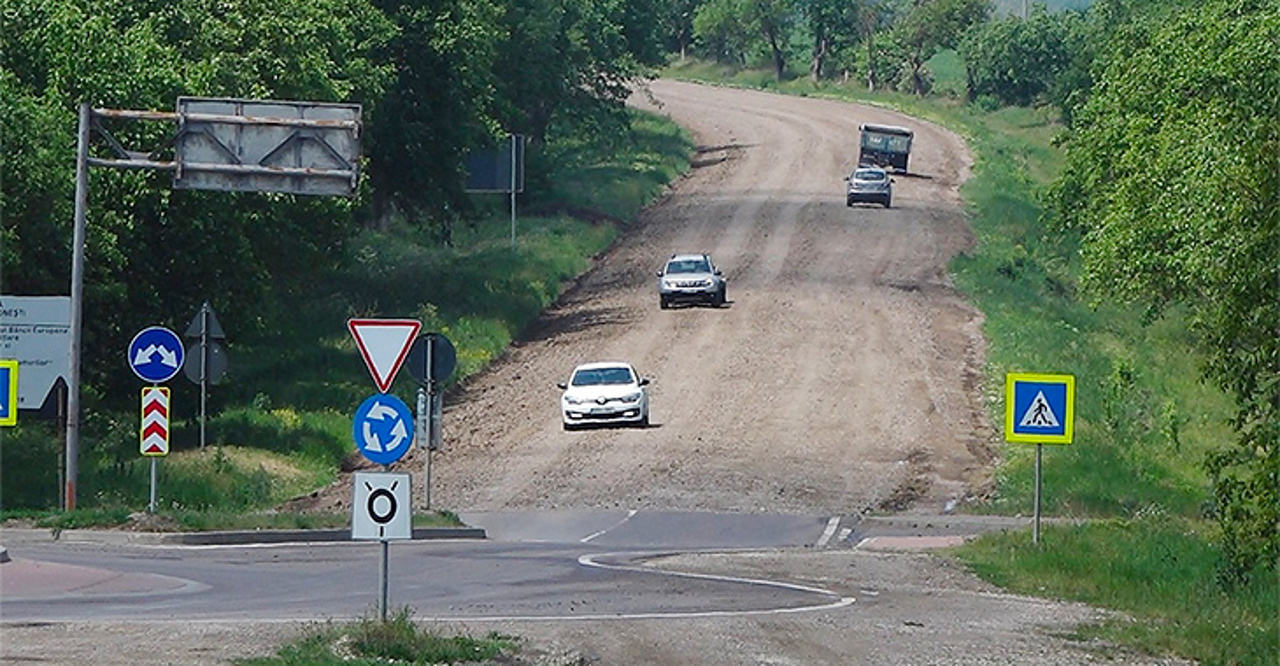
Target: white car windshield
[869, 174]
[690, 266]
[598, 376]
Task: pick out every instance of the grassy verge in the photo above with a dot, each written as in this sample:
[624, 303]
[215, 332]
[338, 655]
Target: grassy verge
[397, 641]
[1157, 569]
[1144, 420]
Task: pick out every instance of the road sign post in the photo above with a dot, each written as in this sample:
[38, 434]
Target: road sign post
[432, 358]
[1039, 409]
[153, 434]
[380, 509]
[210, 359]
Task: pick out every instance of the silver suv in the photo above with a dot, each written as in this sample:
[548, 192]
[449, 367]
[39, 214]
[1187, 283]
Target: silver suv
[690, 278]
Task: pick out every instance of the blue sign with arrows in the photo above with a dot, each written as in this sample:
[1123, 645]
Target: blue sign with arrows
[156, 354]
[383, 428]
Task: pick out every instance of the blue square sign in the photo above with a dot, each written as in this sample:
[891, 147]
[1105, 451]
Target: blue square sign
[1039, 409]
[8, 392]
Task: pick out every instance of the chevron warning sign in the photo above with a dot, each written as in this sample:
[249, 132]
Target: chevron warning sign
[155, 421]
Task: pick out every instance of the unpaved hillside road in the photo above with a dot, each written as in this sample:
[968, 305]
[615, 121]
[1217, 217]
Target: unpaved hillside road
[842, 378]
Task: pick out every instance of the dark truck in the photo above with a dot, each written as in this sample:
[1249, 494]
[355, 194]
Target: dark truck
[885, 146]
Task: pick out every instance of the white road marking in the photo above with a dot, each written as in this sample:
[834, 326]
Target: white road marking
[844, 533]
[831, 529]
[608, 529]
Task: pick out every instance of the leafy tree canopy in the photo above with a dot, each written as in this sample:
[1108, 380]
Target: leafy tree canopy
[1172, 176]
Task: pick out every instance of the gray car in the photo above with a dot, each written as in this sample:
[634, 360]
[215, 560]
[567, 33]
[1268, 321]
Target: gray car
[869, 185]
[690, 278]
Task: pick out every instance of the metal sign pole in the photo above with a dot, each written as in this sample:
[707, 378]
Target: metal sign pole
[429, 421]
[1035, 531]
[382, 582]
[513, 191]
[204, 369]
[151, 507]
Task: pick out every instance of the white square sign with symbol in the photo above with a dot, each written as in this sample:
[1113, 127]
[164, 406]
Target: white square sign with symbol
[380, 508]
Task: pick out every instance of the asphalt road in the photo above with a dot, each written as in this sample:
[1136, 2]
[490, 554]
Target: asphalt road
[568, 564]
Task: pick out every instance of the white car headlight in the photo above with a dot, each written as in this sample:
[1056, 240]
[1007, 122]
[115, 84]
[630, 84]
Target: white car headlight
[632, 397]
[575, 400]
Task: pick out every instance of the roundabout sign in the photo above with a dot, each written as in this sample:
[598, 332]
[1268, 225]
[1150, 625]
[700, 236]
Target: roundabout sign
[383, 428]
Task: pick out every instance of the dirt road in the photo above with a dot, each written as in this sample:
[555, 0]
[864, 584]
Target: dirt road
[842, 377]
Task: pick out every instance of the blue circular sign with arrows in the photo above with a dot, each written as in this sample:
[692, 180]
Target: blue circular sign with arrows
[156, 354]
[383, 428]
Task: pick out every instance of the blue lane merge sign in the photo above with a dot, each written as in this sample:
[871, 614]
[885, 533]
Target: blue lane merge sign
[8, 392]
[156, 354]
[1039, 409]
[383, 428]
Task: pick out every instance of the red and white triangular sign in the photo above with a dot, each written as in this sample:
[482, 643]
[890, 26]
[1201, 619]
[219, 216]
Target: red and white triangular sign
[384, 344]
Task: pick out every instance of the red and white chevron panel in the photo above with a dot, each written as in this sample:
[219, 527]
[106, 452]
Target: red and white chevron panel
[155, 421]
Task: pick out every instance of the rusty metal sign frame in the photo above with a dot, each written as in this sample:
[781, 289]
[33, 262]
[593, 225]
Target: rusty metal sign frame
[308, 148]
[337, 174]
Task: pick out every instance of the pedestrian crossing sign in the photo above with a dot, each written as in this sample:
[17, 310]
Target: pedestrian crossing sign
[8, 392]
[1039, 409]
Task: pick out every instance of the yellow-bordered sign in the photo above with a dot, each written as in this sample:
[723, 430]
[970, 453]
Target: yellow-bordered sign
[1039, 409]
[8, 392]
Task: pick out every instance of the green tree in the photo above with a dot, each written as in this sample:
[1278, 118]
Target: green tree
[1173, 178]
[721, 28]
[732, 29]
[834, 27]
[930, 25]
[440, 106]
[155, 254]
[1017, 61]
[563, 61]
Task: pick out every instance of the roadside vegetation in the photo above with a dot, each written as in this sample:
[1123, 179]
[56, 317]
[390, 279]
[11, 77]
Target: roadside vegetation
[1126, 203]
[397, 641]
[1150, 422]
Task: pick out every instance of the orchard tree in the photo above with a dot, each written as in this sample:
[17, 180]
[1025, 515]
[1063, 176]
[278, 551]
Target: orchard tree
[721, 28]
[928, 26]
[732, 28]
[1173, 179]
[1016, 60]
[834, 27]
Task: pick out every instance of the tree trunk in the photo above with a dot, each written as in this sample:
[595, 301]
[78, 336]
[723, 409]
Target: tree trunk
[821, 47]
[871, 62]
[779, 60]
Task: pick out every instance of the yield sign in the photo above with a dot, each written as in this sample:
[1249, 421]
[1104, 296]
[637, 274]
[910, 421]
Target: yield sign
[384, 344]
[155, 421]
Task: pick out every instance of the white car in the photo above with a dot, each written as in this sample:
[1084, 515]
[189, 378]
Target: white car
[604, 393]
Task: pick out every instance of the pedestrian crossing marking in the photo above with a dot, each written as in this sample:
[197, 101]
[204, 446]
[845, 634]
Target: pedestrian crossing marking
[1039, 414]
[8, 392]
